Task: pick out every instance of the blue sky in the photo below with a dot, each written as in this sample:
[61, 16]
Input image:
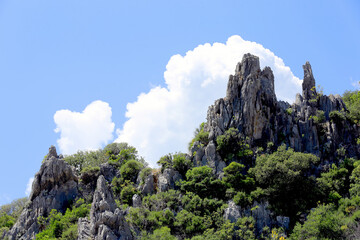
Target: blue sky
[67, 54]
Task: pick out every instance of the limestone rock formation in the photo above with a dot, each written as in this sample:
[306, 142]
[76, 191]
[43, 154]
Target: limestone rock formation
[106, 220]
[251, 107]
[168, 179]
[54, 187]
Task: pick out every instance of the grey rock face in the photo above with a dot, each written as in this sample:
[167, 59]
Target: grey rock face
[308, 84]
[232, 212]
[251, 106]
[54, 187]
[167, 180]
[109, 171]
[107, 221]
[84, 231]
[136, 200]
[148, 187]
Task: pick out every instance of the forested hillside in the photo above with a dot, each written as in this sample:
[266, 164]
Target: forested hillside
[258, 168]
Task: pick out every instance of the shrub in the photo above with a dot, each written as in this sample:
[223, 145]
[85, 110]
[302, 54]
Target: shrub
[177, 161]
[163, 233]
[242, 199]
[200, 136]
[322, 223]
[156, 202]
[130, 170]
[230, 145]
[63, 226]
[234, 177]
[189, 223]
[352, 102]
[144, 173]
[202, 181]
[337, 117]
[127, 193]
[285, 176]
[181, 163]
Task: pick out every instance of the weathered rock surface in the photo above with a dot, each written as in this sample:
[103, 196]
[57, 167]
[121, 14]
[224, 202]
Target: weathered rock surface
[251, 106]
[107, 221]
[232, 212]
[260, 212]
[148, 186]
[168, 179]
[54, 187]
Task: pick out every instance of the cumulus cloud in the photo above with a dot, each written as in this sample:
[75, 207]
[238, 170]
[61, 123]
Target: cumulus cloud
[29, 186]
[88, 130]
[163, 120]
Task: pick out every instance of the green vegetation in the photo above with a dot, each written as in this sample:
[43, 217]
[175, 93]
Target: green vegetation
[9, 213]
[200, 136]
[63, 226]
[337, 117]
[202, 181]
[286, 178]
[178, 161]
[352, 102]
[232, 146]
[319, 117]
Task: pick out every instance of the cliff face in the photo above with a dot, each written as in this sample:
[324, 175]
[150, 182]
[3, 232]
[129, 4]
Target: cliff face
[313, 124]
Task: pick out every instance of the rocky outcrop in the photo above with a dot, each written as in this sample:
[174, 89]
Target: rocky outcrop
[251, 106]
[106, 220]
[54, 187]
[232, 212]
[260, 212]
[148, 186]
[168, 179]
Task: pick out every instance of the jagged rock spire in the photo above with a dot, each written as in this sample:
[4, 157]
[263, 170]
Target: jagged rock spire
[308, 84]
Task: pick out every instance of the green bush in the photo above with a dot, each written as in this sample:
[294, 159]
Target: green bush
[234, 177]
[355, 182]
[200, 136]
[352, 102]
[333, 183]
[203, 182]
[200, 206]
[62, 226]
[127, 193]
[144, 173]
[181, 163]
[285, 177]
[177, 161]
[231, 145]
[163, 233]
[150, 220]
[242, 199]
[156, 202]
[130, 170]
[86, 159]
[322, 223]
[337, 117]
[189, 223]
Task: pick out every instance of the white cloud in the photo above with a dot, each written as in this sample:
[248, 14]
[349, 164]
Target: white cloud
[88, 130]
[163, 120]
[29, 186]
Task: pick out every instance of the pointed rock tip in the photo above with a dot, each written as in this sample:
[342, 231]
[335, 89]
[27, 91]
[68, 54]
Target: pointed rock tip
[52, 152]
[249, 63]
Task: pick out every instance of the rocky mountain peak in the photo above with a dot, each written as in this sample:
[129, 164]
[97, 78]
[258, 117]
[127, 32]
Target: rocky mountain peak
[308, 85]
[249, 64]
[251, 107]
